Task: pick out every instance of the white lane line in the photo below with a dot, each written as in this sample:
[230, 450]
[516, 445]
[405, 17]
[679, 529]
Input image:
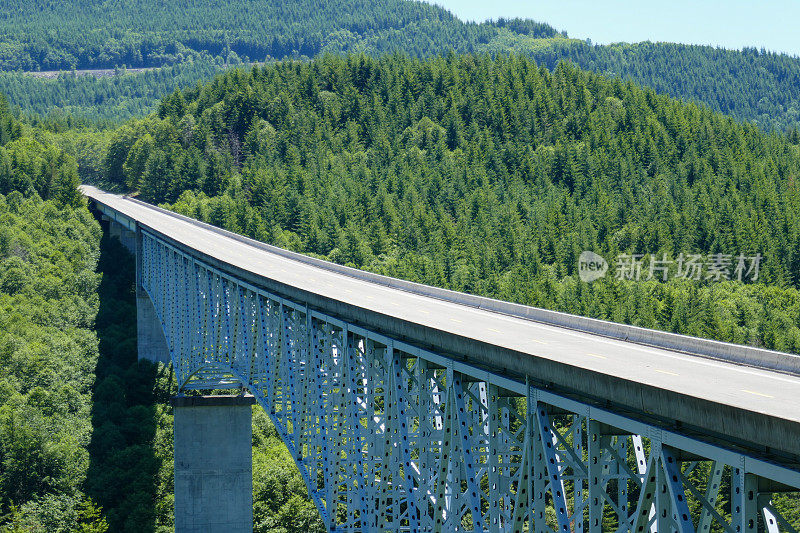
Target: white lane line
[667, 372]
[754, 393]
[596, 355]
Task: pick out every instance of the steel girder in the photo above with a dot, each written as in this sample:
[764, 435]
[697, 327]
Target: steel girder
[392, 437]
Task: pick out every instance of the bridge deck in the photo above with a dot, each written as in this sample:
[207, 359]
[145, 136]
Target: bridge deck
[742, 389]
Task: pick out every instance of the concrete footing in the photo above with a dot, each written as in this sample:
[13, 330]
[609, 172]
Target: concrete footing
[213, 464]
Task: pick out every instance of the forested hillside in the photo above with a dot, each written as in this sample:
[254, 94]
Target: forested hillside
[487, 176]
[751, 85]
[85, 429]
[48, 302]
[102, 100]
[48, 350]
[45, 35]
[30, 166]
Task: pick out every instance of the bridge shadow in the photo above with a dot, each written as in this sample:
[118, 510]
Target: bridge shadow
[126, 462]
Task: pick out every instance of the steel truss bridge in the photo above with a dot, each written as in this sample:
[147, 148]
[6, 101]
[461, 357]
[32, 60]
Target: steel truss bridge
[427, 416]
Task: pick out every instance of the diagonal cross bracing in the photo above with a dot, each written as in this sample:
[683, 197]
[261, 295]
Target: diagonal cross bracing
[389, 436]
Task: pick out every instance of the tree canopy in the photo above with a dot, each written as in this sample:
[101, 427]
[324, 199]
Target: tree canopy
[751, 85]
[29, 166]
[44, 35]
[487, 175]
[48, 350]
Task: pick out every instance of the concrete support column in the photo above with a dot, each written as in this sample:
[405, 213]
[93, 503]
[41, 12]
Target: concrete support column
[115, 229]
[128, 240]
[150, 340]
[213, 464]
[122, 234]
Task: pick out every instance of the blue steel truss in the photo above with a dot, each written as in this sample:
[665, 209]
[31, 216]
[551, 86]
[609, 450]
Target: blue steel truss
[392, 437]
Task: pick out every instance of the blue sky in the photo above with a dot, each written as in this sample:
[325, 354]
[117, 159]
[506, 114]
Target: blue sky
[772, 24]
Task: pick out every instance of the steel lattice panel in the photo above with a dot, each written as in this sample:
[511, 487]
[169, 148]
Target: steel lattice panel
[391, 437]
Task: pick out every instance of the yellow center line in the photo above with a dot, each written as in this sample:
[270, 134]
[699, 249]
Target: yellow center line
[495, 330]
[596, 355]
[424, 311]
[667, 372]
[538, 341]
[757, 393]
[368, 297]
[457, 321]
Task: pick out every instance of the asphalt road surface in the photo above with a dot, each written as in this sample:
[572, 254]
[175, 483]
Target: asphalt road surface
[751, 389]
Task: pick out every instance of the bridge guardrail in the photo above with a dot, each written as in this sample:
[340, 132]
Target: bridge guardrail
[734, 353]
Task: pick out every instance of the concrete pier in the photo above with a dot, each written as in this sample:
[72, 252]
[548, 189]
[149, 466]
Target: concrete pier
[113, 228]
[121, 233]
[213, 464]
[150, 340]
[128, 240]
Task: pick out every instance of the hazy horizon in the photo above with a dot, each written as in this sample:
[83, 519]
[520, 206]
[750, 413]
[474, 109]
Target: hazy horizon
[734, 24]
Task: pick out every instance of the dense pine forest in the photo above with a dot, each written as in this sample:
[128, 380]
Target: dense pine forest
[101, 101]
[386, 135]
[29, 166]
[85, 428]
[48, 349]
[43, 35]
[752, 85]
[488, 176]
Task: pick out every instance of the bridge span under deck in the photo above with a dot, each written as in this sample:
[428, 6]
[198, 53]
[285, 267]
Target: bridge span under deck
[413, 408]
